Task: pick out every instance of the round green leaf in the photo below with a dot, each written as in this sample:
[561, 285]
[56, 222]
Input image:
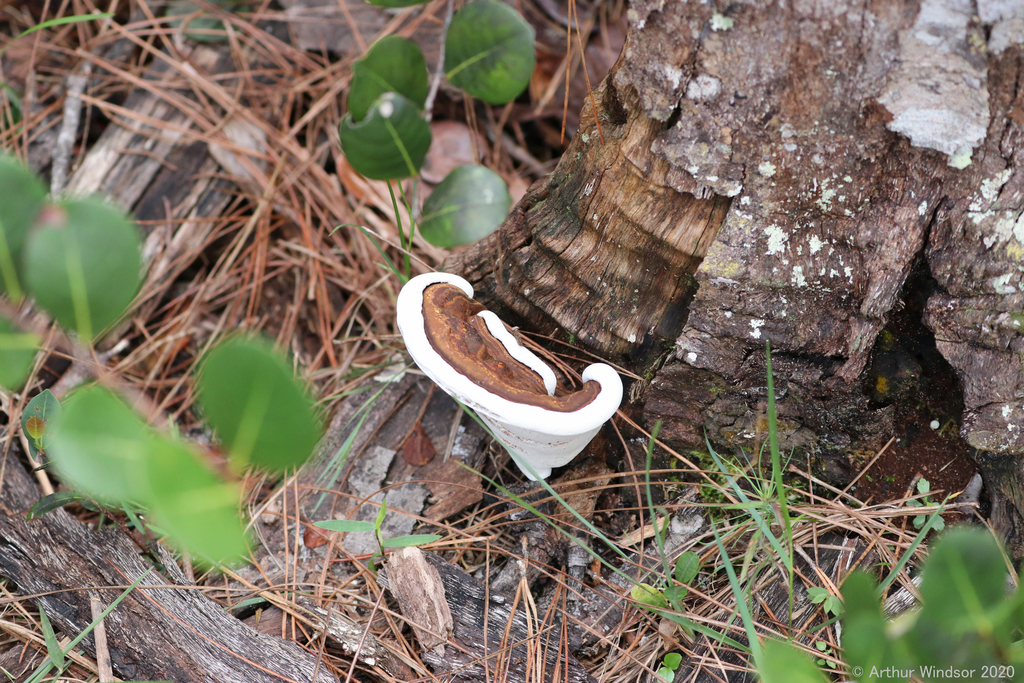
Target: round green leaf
[672, 660]
[393, 64]
[687, 567]
[194, 506]
[99, 445]
[82, 264]
[17, 351]
[390, 142]
[648, 595]
[261, 413]
[202, 28]
[20, 203]
[965, 573]
[489, 51]
[466, 206]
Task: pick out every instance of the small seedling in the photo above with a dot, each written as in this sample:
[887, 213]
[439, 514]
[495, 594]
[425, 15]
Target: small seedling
[669, 664]
[924, 487]
[825, 649]
[354, 525]
[829, 603]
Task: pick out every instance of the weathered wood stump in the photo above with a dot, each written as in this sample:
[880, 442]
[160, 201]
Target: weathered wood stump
[771, 175]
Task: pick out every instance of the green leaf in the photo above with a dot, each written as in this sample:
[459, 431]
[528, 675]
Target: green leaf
[381, 513]
[783, 663]
[196, 507]
[100, 446]
[687, 567]
[20, 204]
[82, 264]
[923, 486]
[667, 674]
[45, 667]
[17, 353]
[648, 595]
[391, 142]
[61, 21]
[672, 660]
[489, 51]
[468, 205]
[53, 502]
[202, 28]
[347, 525]
[392, 64]
[675, 596]
[963, 595]
[414, 539]
[53, 649]
[261, 413]
[42, 410]
[817, 594]
[867, 647]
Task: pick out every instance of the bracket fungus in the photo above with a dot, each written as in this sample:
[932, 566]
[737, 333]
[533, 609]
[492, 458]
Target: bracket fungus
[472, 356]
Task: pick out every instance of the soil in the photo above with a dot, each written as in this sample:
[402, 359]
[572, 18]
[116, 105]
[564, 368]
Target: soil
[909, 373]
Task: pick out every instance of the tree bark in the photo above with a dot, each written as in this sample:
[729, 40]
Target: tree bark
[776, 172]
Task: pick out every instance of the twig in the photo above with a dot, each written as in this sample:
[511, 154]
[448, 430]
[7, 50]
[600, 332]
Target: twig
[76, 84]
[868, 466]
[37, 468]
[428, 105]
[103, 667]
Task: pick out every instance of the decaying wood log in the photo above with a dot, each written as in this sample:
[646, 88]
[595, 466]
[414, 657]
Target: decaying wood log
[794, 166]
[490, 630]
[167, 633]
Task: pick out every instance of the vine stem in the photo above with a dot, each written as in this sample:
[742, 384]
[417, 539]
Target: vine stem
[428, 106]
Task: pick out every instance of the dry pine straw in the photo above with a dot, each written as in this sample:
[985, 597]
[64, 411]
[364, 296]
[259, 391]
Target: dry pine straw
[273, 264]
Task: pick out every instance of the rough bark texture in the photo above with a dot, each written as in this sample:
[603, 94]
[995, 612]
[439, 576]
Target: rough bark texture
[797, 159]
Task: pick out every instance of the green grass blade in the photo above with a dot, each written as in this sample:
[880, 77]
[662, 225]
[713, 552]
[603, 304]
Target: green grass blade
[895, 571]
[741, 603]
[40, 673]
[53, 649]
[402, 278]
[60, 21]
[412, 225]
[752, 508]
[554, 494]
[403, 151]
